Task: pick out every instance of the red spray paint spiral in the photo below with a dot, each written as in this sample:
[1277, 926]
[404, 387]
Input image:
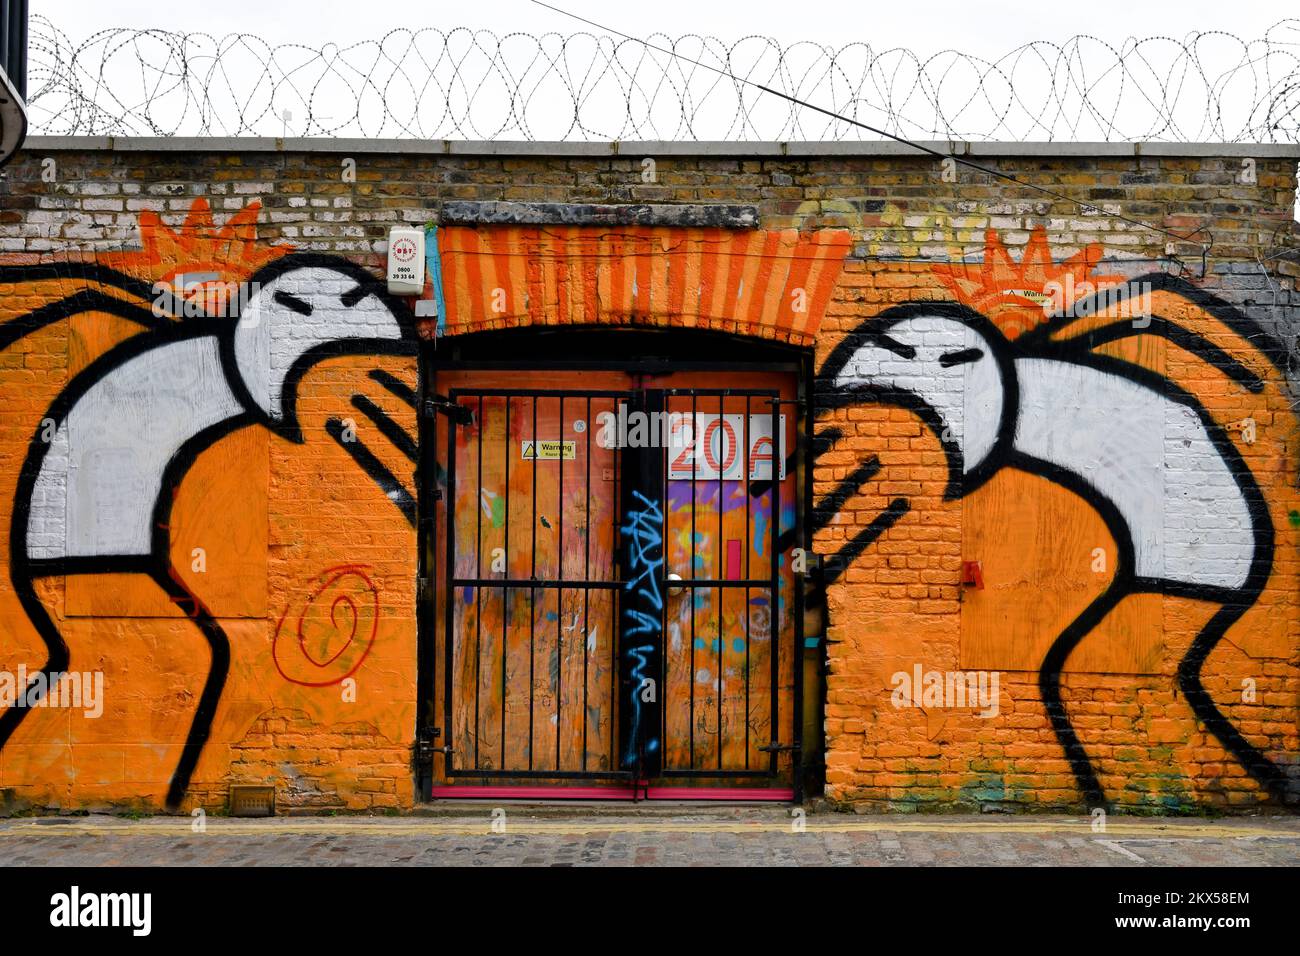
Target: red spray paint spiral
[330, 631]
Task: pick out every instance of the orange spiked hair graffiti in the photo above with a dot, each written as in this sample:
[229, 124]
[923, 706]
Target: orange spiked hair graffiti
[1019, 296]
[200, 263]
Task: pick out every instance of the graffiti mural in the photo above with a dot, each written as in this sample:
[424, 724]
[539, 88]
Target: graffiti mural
[1074, 392]
[1080, 486]
[643, 606]
[197, 338]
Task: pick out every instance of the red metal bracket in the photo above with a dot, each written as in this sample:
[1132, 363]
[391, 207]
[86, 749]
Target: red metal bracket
[972, 574]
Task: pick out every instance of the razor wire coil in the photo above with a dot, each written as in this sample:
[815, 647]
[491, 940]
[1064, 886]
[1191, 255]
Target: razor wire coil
[466, 84]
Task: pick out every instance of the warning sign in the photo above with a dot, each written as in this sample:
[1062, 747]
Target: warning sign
[548, 450]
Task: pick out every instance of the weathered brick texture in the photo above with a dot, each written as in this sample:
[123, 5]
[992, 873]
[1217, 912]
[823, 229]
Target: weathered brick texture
[899, 601]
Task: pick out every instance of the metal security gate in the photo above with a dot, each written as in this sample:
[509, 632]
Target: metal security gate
[736, 459]
[615, 617]
[532, 593]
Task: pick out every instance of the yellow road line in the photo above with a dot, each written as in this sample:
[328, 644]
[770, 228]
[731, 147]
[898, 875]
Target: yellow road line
[181, 828]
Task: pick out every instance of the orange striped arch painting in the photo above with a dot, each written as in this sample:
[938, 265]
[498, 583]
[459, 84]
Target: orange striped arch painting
[770, 284]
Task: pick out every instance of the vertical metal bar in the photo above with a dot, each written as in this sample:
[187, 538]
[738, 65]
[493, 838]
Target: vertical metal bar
[746, 479]
[616, 543]
[11, 18]
[803, 466]
[505, 592]
[722, 568]
[478, 573]
[559, 599]
[665, 456]
[6, 18]
[695, 470]
[18, 50]
[586, 592]
[532, 592]
[426, 563]
[774, 617]
[13, 43]
[449, 599]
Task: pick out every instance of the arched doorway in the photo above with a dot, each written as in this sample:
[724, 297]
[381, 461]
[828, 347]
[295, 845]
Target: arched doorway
[610, 609]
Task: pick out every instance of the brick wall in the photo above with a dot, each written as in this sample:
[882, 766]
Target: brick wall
[1131, 725]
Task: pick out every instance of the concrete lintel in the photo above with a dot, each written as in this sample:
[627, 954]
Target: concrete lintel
[470, 212]
[639, 149]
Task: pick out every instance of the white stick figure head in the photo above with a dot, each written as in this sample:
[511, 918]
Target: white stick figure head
[300, 310]
[938, 365]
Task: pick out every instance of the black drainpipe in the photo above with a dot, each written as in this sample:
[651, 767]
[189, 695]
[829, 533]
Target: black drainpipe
[13, 43]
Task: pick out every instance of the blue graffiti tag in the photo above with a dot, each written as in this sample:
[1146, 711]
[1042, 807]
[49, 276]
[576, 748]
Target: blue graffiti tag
[644, 534]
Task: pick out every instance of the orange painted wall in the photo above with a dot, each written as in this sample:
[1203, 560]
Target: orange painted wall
[310, 562]
[900, 604]
[306, 564]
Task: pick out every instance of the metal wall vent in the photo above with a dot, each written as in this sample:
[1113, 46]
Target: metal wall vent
[252, 801]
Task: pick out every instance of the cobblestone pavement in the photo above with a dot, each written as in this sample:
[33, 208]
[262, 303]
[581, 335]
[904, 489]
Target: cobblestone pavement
[577, 836]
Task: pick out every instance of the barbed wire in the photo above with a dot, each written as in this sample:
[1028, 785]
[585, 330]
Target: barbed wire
[475, 85]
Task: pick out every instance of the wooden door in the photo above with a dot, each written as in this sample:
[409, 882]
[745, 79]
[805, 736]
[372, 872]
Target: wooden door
[546, 686]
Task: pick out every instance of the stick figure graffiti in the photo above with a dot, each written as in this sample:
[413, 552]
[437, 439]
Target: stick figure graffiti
[1182, 504]
[97, 486]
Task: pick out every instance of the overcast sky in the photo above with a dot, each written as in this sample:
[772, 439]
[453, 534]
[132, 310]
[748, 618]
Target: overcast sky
[924, 25]
[393, 93]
